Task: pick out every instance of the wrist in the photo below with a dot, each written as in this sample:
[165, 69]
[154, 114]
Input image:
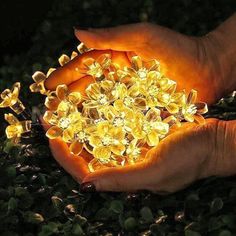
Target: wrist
[222, 151]
[222, 46]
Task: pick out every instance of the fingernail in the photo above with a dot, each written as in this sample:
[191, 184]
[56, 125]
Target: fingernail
[80, 28]
[87, 187]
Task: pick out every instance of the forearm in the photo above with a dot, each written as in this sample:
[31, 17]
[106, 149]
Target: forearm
[224, 41]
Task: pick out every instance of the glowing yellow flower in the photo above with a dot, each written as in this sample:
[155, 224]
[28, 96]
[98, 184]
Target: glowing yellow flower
[192, 111]
[16, 128]
[119, 117]
[39, 78]
[100, 94]
[97, 68]
[10, 98]
[82, 48]
[63, 111]
[140, 70]
[107, 140]
[150, 127]
[77, 135]
[62, 100]
[64, 59]
[128, 97]
[133, 152]
[61, 123]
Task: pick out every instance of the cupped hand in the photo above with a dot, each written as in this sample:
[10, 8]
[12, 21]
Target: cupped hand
[183, 157]
[194, 62]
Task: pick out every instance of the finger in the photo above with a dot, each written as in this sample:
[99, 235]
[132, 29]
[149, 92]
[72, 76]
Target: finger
[120, 38]
[81, 85]
[71, 71]
[76, 166]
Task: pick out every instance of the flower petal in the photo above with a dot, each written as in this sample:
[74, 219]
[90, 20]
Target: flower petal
[192, 97]
[76, 148]
[136, 62]
[102, 153]
[52, 102]
[172, 108]
[153, 115]
[95, 140]
[54, 132]
[62, 91]
[201, 107]
[152, 138]
[38, 76]
[199, 119]
[118, 149]
[74, 97]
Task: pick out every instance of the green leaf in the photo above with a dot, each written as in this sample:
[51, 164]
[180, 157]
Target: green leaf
[80, 219]
[49, 229]
[12, 204]
[117, 206]
[157, 230]
[146, 214]
[102, 214]
[216, 205]
[229, 220]
[215, 223]
[130, 224]
[225, 233]
[191, 233]
[11, 172]
[20, 191]
[77, 230]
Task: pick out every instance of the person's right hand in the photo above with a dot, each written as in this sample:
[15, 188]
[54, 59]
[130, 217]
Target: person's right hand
[194, 62]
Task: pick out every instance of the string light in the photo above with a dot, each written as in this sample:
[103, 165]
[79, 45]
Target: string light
[10, 98]
[123, 111]
[16, 128]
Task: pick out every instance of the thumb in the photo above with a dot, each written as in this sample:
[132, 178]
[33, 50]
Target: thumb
[120, 38]
[134, 177]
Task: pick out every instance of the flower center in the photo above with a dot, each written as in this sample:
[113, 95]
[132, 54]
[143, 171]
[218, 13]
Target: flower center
[95, 70]
[64, 123]
[142, 73]
[153, 90]
[128, 101]
[147, 127]
[118, 121]
[107, 140]
[81, 136]
[102, 99]
[191, 109]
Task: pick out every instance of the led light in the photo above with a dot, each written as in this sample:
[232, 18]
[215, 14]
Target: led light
[39, 79]
[16, 128]
[10, 98]
[125, 110]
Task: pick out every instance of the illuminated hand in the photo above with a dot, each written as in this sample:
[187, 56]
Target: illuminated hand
[202, 63]
[170, 166]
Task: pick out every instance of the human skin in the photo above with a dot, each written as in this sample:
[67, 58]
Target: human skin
[207, 64]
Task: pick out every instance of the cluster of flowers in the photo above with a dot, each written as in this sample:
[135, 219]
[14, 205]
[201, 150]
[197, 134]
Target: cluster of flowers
[123, 111]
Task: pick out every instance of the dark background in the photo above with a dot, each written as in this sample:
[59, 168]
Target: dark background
[20, 19]
[37, 197]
